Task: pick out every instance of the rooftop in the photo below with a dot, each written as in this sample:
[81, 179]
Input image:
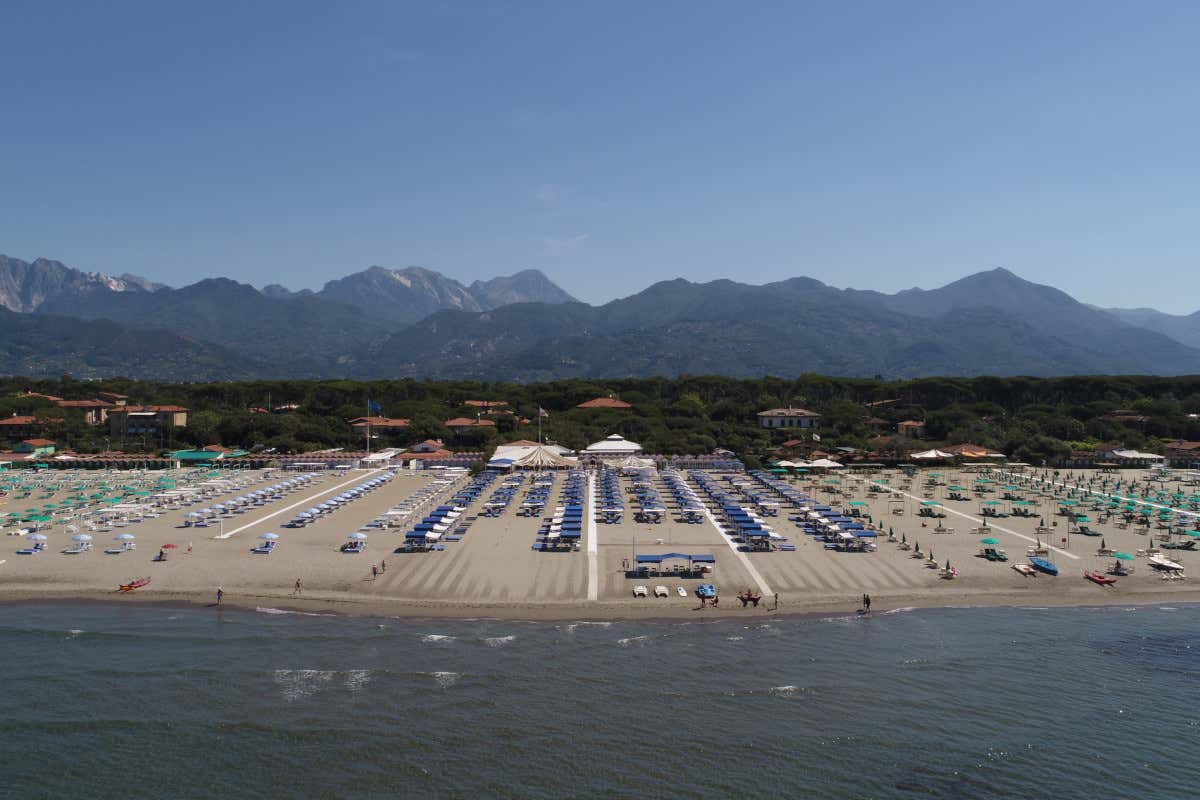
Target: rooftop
[604, 402]
[788, 412]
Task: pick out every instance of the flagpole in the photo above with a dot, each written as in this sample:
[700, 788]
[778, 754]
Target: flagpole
[368, 429]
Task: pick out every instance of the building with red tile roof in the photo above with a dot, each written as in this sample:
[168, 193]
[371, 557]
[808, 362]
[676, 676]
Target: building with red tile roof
[605, 402]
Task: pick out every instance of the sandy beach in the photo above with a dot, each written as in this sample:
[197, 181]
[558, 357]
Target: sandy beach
[494, 572]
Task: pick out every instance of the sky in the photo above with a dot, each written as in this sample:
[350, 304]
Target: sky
[609, 144]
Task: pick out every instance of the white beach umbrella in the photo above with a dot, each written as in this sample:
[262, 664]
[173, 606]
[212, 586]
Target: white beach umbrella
[36, 537]
[358, 535]
[81, 537]
[270, 537]
[124, 537]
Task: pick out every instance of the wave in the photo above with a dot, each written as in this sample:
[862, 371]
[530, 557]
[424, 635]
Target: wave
[446, 679]
[639, 640]
[499, 641]
[284, 611]
[572, 626]
[434, 638]
[784, 691]
[296, 684]
[901, 610]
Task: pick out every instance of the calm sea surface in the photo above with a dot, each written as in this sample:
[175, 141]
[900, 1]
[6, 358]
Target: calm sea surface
[126, 702]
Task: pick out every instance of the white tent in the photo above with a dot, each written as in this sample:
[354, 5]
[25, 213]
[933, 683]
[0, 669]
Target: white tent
[931, 455]
[825, 463]
[633, 462]
[544, 458]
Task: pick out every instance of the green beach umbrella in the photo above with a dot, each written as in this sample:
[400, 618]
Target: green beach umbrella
[1123, 556]
[858, 502]
[989, 540]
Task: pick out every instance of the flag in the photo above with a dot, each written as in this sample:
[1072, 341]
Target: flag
[374, 408]
[543, 413]
[816, 437]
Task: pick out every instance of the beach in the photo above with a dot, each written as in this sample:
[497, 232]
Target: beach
[493, 571]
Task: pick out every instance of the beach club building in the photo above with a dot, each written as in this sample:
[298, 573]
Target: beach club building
[789, 418]
[614, 448]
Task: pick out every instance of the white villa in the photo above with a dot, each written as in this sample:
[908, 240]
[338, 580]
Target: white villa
[789, 418]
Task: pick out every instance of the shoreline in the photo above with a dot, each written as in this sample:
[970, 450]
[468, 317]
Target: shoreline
[374, 607]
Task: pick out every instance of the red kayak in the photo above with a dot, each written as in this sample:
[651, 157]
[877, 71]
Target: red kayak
[1099, 577]
[132, 585]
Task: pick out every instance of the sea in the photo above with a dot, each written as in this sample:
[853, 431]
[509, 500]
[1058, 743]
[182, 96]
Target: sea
[129, 701]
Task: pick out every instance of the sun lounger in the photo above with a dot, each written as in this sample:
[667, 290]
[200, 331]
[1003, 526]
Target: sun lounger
[639, 591]
[661, 591]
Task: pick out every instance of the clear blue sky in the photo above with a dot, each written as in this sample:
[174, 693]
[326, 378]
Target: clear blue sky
[873, 145]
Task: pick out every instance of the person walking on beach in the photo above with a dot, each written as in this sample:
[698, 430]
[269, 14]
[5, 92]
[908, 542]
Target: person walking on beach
[298, 589]
[866, 602]
[776, 608]
[374, 572]
[220, 595]
[382, 565]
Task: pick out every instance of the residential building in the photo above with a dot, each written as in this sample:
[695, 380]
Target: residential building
[35, 447]
[380, 424]
[912, 428]
[18, 427]
[789, 418]
[95, 412]
[463, 424]
[1182, 454]
[130, 420]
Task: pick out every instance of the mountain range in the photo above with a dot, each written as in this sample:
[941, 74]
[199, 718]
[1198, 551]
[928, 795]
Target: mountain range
[415, 322]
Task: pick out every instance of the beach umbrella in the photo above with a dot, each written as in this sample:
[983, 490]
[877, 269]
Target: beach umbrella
[81, 537]
[124, 537]
[269, 536]
[989, 540]
[36, 537]
[1123, 556]
[169, 546]
[358, 535]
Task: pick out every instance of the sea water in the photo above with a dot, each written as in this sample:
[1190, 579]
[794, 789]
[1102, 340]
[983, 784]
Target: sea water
[106, 701]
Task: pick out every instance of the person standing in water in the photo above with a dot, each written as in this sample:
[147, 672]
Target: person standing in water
[220, 595]
[866, 602]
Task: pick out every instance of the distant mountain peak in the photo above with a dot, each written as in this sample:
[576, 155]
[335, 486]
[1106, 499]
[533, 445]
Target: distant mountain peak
[526, 286]
[28, 286]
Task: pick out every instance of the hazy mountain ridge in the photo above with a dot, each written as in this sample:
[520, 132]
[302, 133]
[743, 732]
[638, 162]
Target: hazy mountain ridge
[1184, 328]
[385, 323]
[992, 323]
